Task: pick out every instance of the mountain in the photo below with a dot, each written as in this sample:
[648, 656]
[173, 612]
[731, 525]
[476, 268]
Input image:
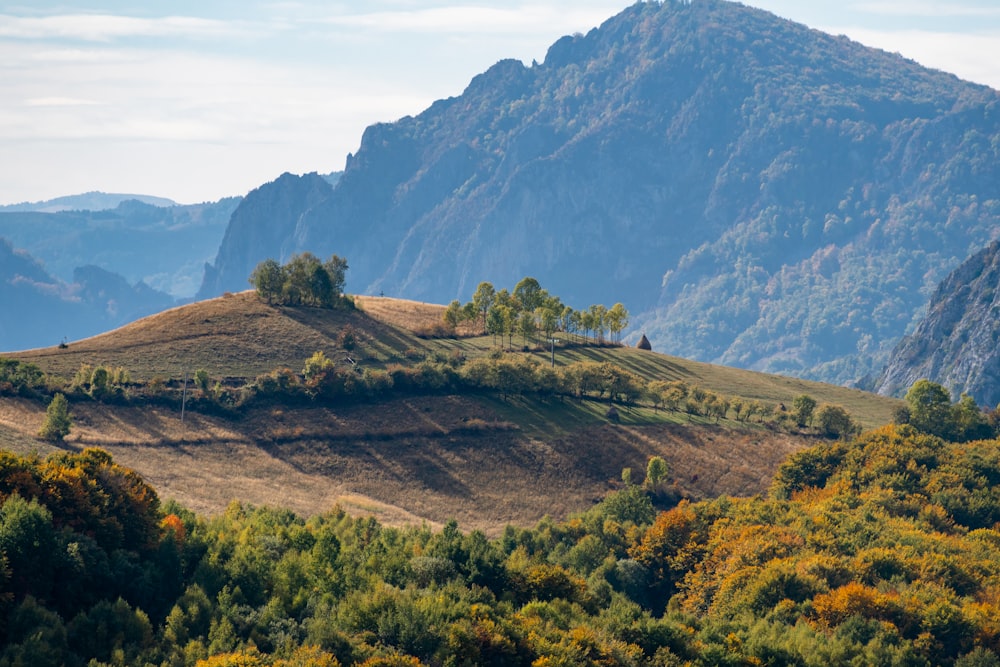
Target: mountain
[41, 310]
[757, 193]
[262, 226]
[88, 201]
[164, 247]
[956, 343]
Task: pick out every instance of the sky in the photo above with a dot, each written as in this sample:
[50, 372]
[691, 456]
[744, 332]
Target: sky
[196, 100]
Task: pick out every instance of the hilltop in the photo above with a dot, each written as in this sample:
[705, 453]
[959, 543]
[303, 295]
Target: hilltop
[406, 458]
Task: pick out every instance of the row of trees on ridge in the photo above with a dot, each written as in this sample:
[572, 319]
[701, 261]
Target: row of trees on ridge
[530, 310]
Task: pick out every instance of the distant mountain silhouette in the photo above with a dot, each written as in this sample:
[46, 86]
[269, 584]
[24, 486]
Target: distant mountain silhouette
[41, 310]
[165, 247]
[757, 193]
[88, 201]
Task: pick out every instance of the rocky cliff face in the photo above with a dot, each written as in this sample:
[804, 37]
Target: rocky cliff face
[262, 227]
[757, 193]
[958, 343]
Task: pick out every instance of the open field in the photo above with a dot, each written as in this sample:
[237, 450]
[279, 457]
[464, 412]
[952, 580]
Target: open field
[410, 460]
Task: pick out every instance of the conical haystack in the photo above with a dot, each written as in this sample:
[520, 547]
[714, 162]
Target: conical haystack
[643, 343]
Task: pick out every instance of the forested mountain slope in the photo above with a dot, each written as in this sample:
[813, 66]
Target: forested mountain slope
[956, 344]
[768, 195]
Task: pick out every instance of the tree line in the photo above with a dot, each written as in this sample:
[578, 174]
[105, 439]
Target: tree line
[529, 310]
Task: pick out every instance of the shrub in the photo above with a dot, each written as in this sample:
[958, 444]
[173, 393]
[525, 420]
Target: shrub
[57, 420]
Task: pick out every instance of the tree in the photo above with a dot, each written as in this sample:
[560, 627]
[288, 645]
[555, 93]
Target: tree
[930, 408]
[617, 320]
[57, 420]
[202, 379]
[495, 321]
[526, 326]
[598, 320]
[802, 409]
[970, 422]
[453, 315]
[548, 319]
[316, 366]
[656, 472]
[482, 299]
[529, 294]
[834, 420]
[297, 288]
[28, 543]
[268, 279]
[336, 267]
[304, 280]
[321, 287]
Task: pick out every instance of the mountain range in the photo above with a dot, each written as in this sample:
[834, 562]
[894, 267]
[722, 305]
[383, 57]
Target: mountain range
[88, 201]
[757, 193]
[68, 273]
[41, 310]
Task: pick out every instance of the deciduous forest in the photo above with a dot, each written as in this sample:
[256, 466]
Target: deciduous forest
[881, 550]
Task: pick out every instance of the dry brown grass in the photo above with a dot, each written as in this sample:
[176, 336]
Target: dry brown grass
[406, 461]
[409, 315]
[236, 335]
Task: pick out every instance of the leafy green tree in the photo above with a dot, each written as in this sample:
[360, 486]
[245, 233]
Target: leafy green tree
[495, 321]
[802, 409]
[34, 636]
[970, 421]
[598, 322]
[321, 290]
[483, 299]
[28, 542]
[268, 278]
[833, 420]
[930, 408]
[656, 472]
[617, 320]
[336, 268]
[453, 314]
[57, 419]
[529, 294]
[548, 320]
[202, 379]
[316, 366]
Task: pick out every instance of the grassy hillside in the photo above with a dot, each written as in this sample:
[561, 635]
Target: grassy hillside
[478, 458]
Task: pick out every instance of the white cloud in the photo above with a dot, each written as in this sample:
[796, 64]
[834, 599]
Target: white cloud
[926, 9]
[543, 19]
[59, 102]
[974, 57]
[106, 27]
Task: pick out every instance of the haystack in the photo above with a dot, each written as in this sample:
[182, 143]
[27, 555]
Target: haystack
[643, 343]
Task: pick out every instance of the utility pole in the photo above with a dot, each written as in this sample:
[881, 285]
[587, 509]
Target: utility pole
[184, 397]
